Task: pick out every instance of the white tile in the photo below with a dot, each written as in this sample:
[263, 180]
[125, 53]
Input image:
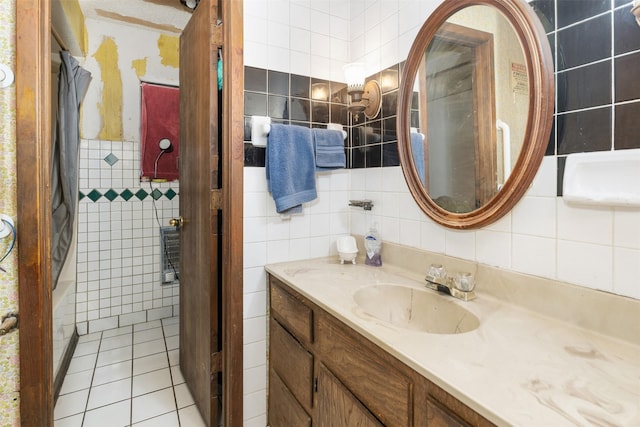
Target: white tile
[133, 318]
[173, 342]
[114, 415]
[460, 244]
[174, 357]
[254, 404]
[76, 382]
[176, 375]
[150, 363]
[152, 405]
[159, 313]
[535, 216]
[113, 372]
[148, 348]
[171, 330]
[82, 363]
[119, 341]
[589, 225]
[115, 355]
[89, 337]
[167, 420]
[254, 354]
[147, 335]
[533, 255]
[72, 421]
[255, 379]
[190, 416]
[147, 325]
[109, 393]
[183, 396]
[626, 270]
[171, 321]
[118, 331]
[254, 329]
[626, 228]
[103, 324]
[572, 258]
[151, 381]
[71, 404]
[493, 248]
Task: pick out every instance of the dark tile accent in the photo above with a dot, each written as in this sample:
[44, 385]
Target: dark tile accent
[94, 195]
[300, 86]
[304, 124]
[373, 133]
[255, 79]
[389, 104]
[626, 37]
[278, 83]
[584, 131]
[389, 78]
[320, 90]
[586, 42]
[373, 158]
[357, 136]
[141, 194]
[545, 9]
[623, 2]
[415, 119]
[586, 87]
[300, 109]
[170, 194]
[551, 146]
[319, 112]
[126, 194]
[572, 11]
[278, 107]
[247, 128]
[390, 155]
[358, 157]
[81, 195]
[254, 156]
[339, 114]
[560, 174]
[627, 127]
[627, 77]
[111, 194]
[389, 132]
[339, 93]
[156, 194]
[255, 104]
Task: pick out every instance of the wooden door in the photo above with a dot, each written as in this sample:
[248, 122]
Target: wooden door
[199, 236]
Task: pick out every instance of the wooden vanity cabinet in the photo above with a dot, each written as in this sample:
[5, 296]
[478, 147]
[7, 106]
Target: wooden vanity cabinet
[323, 373]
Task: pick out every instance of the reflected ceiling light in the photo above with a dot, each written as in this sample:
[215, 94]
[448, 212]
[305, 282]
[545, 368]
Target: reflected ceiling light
[365, 97]
[191, 4]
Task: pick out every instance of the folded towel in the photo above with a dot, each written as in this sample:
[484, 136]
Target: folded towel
[290, 167]
[329, 146]
[417, 149]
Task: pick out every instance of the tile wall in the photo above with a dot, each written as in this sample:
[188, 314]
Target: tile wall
[118, 278]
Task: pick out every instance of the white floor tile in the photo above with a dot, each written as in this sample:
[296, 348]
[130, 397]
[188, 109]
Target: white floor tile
[89, 337]
[109, 393]
[174, 357]
[114, 415]
[82, 349]
[76, 382]
[151, 381]
[173, 342]
[72, 421]
[113, 372]
[149, 347]
[115, 355]
[82, 363]
[190, 416]
[183, 396]
[171, 321]
[147, 335]
[147, 325]
[152, 405]
[116, 342]
[116, 332]
[171, 330]
[166, 420]
[150, 363]
[176, 375]
[71, 404]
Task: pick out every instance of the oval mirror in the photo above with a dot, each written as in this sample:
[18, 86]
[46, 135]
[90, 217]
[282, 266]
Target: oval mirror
[475, 110]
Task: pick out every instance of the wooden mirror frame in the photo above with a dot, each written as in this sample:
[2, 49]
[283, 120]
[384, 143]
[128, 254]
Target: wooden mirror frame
[539, 63]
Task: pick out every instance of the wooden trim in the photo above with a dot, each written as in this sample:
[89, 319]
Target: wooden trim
[64, 367]
[232, 152]
[33, 151]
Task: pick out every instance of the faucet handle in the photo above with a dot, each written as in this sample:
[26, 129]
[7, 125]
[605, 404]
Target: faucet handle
[464, 282]
[436, 273]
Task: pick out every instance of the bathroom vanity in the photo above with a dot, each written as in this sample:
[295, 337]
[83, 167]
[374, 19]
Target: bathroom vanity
[333, 361]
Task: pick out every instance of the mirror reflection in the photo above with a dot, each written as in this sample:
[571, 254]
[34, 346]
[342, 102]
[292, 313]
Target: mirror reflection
[469, 109]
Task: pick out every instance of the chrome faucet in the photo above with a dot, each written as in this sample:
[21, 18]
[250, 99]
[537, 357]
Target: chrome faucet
[364, 204]
[459, 286]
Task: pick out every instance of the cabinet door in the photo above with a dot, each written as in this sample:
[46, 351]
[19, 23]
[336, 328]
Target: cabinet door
[337, 407]
[284, 409]
[438, 416]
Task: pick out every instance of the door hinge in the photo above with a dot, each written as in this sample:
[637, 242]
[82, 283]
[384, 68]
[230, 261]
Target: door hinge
[216, 362]
[216, 199]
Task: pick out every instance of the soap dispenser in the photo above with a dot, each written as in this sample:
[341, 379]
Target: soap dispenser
[373, 247]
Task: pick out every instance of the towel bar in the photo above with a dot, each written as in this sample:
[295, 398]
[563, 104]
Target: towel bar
[261, 125]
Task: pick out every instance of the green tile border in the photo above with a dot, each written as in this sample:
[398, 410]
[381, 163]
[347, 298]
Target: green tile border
[139, 195]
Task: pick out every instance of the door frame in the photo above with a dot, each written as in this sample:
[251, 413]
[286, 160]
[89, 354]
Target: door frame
[33, 172]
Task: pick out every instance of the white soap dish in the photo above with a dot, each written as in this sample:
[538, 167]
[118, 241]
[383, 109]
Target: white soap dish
[347, 249]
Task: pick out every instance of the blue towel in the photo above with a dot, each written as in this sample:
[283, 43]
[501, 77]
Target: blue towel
[329, 146]
[290, 167]
[417, 149]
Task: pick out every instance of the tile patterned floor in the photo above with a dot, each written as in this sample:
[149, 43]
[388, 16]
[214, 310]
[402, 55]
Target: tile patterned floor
[127, 377]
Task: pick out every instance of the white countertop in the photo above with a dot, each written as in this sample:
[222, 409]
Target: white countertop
[517, 368]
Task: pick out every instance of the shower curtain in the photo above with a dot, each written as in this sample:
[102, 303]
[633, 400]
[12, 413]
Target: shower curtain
[73, 82]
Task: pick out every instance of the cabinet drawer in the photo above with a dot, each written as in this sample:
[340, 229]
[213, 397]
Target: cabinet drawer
[438, 416]
[292, 363]
[385, 391]
[284, 410]
[296, 317]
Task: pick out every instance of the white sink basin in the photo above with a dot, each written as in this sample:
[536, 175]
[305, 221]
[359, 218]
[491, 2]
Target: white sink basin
[415, 309]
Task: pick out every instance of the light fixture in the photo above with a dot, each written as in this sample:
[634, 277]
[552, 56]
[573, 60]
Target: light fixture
[191, 4]
[365, 98]
[165, 145]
